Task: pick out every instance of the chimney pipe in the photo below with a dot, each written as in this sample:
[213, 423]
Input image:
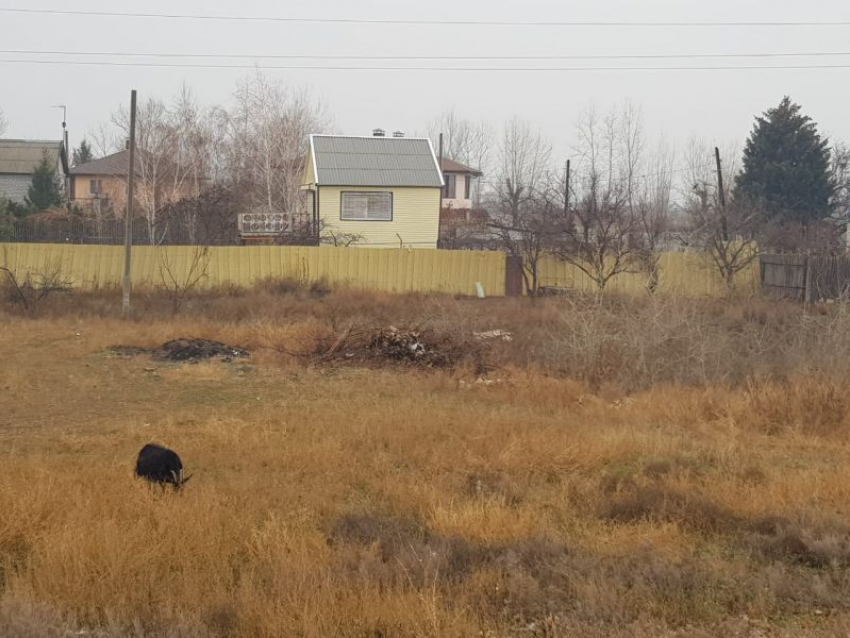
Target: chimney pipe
[398, 134]
[379, 132]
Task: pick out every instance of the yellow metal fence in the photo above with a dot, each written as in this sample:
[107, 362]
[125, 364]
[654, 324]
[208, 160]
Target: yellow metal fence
[405, 270]
[679, 274]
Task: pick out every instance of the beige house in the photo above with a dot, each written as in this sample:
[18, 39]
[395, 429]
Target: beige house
[460, 181]
[99, 187]
[375, 192]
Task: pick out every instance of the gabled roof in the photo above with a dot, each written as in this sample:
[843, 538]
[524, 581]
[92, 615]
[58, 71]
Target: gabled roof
[450, 166]
[20, 157]
[339, 160]
[115, 165]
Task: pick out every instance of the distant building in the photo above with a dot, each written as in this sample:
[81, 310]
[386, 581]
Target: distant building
[460, 182]
[100, 186]
[18, 160]
[384, 191]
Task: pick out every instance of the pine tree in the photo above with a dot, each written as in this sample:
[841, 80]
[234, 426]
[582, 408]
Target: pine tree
[787, 167]
[83, 154]
[45, 191]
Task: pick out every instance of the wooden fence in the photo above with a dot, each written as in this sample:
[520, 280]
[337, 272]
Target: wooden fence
[805, 278]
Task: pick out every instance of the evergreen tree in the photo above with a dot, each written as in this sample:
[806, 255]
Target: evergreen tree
[45, 191]
[82, 154]
[787, 167]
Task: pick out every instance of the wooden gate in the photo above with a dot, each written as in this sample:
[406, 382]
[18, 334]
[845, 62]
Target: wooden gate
[784, 276]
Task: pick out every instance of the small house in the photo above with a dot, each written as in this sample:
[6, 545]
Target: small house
[460, 181]
[100, 186]
[18, 161]
[377, 191]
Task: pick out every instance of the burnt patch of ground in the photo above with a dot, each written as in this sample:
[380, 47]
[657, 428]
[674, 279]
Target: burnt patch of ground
[184, 349]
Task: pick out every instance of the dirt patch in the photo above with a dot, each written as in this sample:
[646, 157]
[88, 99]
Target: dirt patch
[127, 351]
[189, 350]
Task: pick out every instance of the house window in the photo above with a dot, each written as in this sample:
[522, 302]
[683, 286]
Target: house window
[366, 207]
[451, 187]
[468, 189]
[95, 186]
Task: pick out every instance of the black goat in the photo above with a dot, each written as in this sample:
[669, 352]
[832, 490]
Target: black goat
[160, 465]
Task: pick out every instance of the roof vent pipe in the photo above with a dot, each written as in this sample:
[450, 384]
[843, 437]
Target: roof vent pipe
[379, 132]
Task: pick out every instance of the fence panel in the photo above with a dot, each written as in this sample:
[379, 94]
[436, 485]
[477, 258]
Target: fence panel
[829, 278]
[679, 274]
[391, 270]
[784, 276]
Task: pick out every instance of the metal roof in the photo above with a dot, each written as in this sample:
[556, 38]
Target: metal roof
[20, 157]
[375, 161]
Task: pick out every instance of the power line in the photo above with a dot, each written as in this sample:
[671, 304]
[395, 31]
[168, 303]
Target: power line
[392, 21]
[525, 69]
[293, 56]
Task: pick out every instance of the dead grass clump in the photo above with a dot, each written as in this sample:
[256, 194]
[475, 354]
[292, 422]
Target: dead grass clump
[492, 485]
[822, 544]
[393, 551]
[647, 504]
[811, 406]
[301, 288]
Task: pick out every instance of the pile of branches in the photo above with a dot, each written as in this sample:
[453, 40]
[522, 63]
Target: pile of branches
[413, 347]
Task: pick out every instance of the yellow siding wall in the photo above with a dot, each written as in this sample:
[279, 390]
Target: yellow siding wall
[416, 217]
[680, 274]
[454, 272]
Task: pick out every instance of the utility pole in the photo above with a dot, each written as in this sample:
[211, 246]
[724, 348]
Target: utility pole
[567, 190]
[128, 222]
[721, 196]
[442, 192]
[67, 182]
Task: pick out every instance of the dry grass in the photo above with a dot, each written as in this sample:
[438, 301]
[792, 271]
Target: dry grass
[561, 497]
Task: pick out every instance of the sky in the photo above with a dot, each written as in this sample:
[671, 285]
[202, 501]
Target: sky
[717, 105]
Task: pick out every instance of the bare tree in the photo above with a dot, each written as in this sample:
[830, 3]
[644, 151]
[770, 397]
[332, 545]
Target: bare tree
[470, 143]
[170, 142]
[522, 214]
[841, 177]
[725, 230]
[597, 233]
[652, 206]
[268, 135]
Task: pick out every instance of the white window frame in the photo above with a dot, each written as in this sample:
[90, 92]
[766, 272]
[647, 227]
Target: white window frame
[364, 194]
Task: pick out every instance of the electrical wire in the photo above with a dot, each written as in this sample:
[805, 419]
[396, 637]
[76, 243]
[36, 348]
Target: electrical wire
[526, 69]
[394, 21]
[664, 56]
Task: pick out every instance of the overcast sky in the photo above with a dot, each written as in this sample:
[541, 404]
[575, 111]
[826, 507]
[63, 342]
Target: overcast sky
[718, 105]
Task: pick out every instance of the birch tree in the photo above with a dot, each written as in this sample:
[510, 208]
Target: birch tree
[268, 135]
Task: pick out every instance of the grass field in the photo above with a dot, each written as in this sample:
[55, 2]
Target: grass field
[653, 469]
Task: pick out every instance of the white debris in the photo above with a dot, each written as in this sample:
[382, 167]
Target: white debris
[501, 335]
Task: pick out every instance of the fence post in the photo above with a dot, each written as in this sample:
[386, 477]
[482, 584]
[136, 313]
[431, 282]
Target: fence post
[808, 294]
[513, 276]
